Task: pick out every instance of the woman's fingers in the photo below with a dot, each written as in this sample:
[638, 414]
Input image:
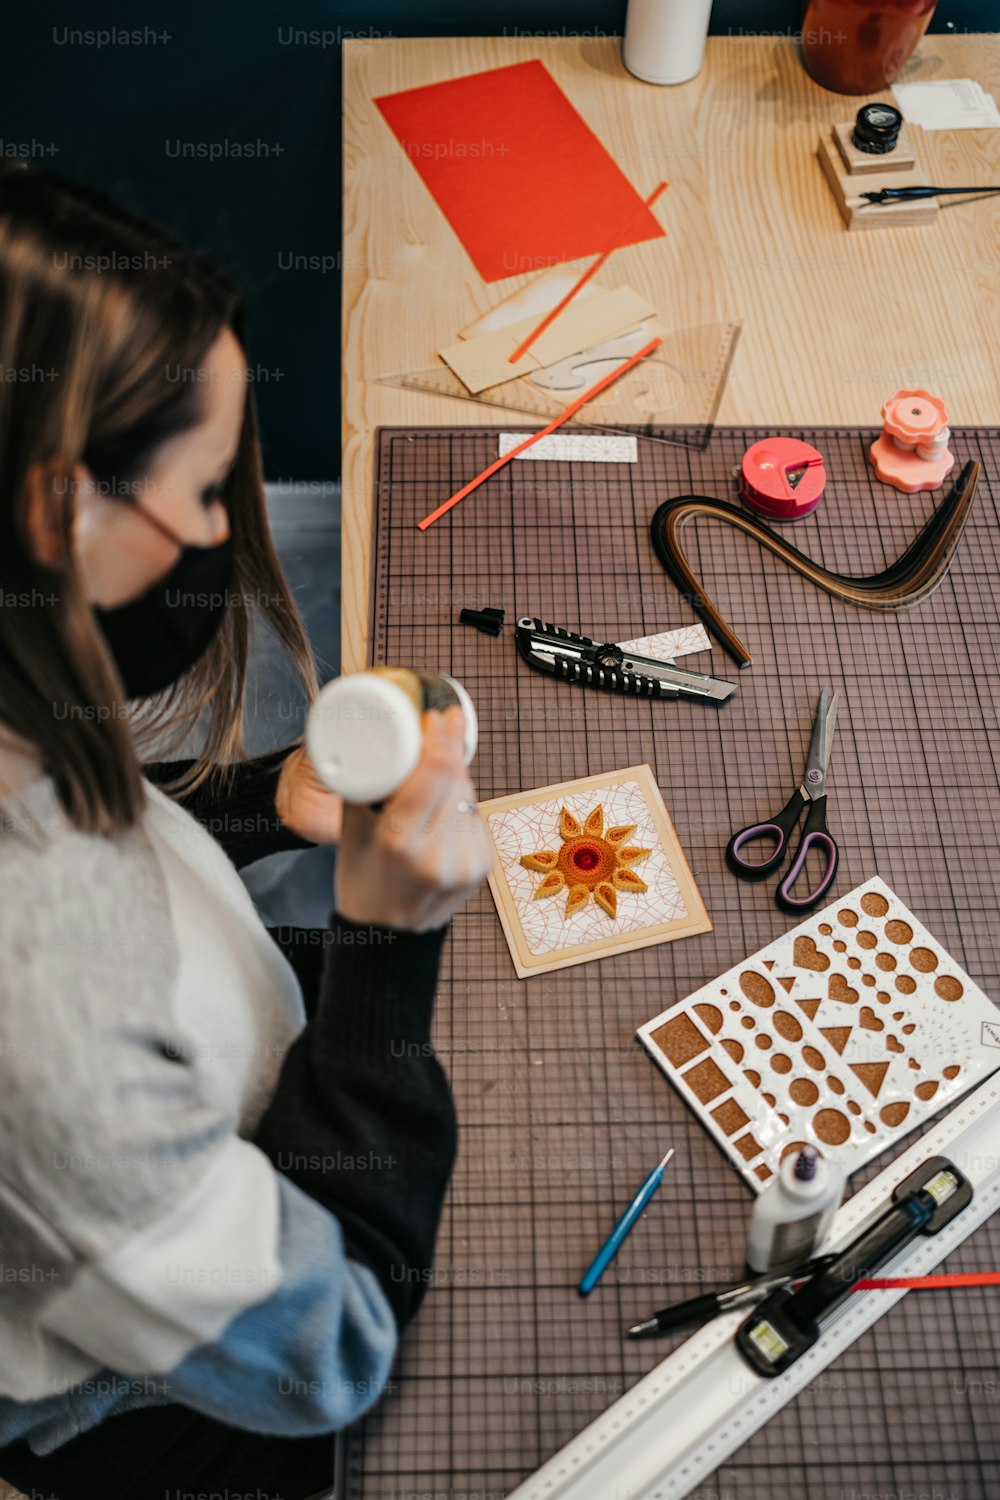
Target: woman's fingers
[410, 811]
[416, 860]
[459, 832]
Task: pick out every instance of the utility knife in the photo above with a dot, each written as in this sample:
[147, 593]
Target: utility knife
[576, 658]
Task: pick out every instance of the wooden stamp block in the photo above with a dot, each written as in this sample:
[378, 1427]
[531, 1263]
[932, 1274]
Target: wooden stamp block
[847, 187]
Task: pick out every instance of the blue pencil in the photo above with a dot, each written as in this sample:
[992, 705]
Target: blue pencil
[610, 1248]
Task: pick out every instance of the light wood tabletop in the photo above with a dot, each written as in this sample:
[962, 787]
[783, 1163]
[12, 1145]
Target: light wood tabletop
[832, 322]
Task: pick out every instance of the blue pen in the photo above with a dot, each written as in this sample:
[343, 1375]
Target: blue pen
[610, 1248]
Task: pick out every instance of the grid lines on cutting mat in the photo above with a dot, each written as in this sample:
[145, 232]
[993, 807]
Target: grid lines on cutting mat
[561, 1113]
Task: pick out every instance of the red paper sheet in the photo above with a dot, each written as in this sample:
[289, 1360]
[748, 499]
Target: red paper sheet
[520, 178]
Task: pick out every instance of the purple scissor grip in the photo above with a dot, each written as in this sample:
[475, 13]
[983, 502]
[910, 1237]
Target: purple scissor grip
[785, 887]
[771, 830]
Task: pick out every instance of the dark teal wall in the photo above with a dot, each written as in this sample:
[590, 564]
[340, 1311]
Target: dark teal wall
[211, 72]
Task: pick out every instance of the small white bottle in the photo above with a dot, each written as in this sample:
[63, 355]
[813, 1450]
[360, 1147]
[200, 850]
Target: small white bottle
[364, 735]
[792, 1215]
[664, 40]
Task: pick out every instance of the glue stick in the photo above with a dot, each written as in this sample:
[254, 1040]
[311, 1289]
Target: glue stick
[792, 1215]
[364, 734]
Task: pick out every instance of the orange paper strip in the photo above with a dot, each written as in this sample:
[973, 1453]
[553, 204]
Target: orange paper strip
[499, 463]
[928, 1283]
[591, 270]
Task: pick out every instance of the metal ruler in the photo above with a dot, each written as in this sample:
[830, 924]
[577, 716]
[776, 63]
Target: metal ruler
[678, 1424]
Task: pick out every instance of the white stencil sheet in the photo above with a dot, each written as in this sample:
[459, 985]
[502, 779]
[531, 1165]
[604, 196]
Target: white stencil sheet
[845, 1033]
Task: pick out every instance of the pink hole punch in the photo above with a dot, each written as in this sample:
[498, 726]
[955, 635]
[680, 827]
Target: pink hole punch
[912, 453]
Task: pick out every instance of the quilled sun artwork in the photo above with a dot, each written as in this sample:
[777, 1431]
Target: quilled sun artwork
[588, 868]
[592, 862]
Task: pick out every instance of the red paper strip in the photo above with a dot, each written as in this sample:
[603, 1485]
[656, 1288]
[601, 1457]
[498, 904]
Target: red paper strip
[562, 417]
[591, 270]
[928, 1283]
[519, 176]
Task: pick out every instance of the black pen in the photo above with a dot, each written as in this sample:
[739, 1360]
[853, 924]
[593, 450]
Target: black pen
[711, 1304]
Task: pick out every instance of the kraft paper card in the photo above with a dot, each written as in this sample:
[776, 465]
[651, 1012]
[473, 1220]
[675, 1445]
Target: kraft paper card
[484, 361]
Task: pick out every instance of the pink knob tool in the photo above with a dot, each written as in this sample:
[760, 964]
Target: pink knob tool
[912, 453]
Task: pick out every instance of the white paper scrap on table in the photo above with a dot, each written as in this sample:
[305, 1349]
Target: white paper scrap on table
[948, 104]
[533, 300]
[569, 447]
[670, 644]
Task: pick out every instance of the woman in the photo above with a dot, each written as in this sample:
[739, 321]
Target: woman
[216, 1214]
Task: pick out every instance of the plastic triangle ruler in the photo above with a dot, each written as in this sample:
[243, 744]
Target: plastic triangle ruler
[666, 1435]
[671, 397]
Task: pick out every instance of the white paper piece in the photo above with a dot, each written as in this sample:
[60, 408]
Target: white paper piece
[566, 447]
[948, 104]
[670, 644]
[847, 1032]
[533, 300]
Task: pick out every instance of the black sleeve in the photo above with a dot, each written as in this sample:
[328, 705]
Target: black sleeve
[362, 1118]
[240, 815]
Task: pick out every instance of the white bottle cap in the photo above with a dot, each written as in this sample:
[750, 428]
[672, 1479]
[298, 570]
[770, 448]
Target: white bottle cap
[468, 708]
[363, 736]
[805, 1187]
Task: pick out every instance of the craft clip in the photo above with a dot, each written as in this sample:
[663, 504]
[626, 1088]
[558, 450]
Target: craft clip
[576, 658]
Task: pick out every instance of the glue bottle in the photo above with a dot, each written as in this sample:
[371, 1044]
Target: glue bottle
[791, 1217]
[664, 40]
[364, 734]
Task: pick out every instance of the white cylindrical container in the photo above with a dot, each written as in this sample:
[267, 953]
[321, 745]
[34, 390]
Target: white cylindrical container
[792, 1215]
[363, 733]
[664, 40]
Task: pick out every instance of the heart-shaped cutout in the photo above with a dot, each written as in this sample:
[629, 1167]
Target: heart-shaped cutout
[909, 1030]
[914, 1065]
[892, 1045]
[807, 956]
[869, 1020]
[839, 989]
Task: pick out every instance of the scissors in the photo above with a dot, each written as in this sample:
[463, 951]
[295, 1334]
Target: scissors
[810, 794]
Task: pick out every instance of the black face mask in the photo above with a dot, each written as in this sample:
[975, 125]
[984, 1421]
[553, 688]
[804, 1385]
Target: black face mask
[156, 638]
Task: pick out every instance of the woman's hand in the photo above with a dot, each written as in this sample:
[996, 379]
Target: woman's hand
[304, 804]
[412, 864]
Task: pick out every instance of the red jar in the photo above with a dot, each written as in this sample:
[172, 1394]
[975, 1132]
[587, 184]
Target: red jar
[858, 46]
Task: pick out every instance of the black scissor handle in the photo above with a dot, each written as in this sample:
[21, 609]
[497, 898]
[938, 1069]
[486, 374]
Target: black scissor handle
[779, 829]
[815, 835]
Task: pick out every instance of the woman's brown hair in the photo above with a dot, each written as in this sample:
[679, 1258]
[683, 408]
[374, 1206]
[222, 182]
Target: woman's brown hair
[105, 322]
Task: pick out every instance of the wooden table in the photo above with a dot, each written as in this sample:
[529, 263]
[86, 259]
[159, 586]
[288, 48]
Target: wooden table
[832, 322]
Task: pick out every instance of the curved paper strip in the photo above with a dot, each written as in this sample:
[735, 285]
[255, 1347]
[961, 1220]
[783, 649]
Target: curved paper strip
[550, 886]
[578, 898]
[569, 826]
[912, 577]
[595, 822]
[619, 833]
[543, 861]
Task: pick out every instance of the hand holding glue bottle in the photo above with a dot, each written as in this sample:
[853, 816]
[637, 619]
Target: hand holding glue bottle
[394, 745]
